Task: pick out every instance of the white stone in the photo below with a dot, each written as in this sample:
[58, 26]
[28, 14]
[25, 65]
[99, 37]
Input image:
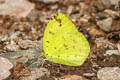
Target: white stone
[5, 66]
[18, 8]
[110, 52]
[109, 73]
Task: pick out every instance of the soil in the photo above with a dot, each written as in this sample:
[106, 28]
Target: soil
[96, 60]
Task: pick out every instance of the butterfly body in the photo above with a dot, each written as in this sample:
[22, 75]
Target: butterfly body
[63, 44]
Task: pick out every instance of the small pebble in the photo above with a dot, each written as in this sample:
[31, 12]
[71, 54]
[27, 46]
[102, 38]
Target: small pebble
[89, 74]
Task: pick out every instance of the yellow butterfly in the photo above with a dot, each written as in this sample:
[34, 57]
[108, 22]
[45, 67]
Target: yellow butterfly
[63, 44]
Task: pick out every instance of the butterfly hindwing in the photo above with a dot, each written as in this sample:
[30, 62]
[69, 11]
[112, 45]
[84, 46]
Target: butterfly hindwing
[63, 44]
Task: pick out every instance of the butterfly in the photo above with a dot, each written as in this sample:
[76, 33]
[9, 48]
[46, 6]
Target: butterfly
[63, 43]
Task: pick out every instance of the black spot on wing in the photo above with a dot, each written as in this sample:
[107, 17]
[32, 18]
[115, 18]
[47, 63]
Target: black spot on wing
[47, 41]
[54, 47]
[51, 18]
[51, 33]
[55, 17]
[58, 20]
[60, 25]
[66, 46]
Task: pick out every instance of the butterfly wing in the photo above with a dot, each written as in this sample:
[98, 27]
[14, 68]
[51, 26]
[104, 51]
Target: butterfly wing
[63, 44]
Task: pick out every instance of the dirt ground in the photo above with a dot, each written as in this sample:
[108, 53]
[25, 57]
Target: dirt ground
[32, 28]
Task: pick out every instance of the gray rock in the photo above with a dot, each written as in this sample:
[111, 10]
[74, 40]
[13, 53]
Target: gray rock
[102, 15]
[114, 2]
[107, 3]
[34, 14]
[32, 58]
[105, 24]
[109, 73]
